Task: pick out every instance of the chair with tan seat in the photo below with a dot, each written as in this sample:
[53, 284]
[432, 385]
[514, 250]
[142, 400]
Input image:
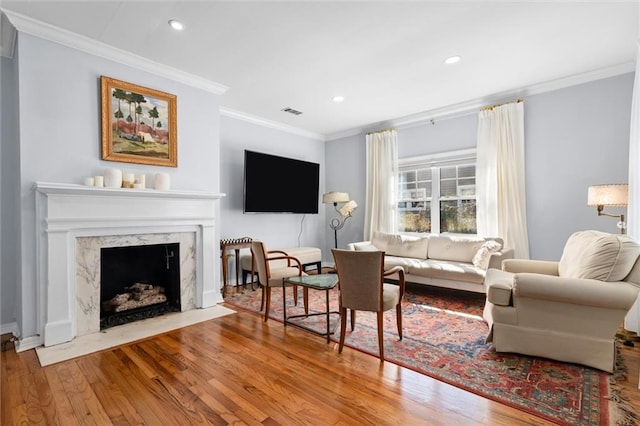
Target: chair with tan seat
[568, 310]
[272, 277]
[361, 277]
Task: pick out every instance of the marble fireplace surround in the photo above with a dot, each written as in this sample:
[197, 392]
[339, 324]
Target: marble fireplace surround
[74, 221]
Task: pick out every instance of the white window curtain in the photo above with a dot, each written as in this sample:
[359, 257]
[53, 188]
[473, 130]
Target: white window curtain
[500, 179]
[632, 320]
[382, 164]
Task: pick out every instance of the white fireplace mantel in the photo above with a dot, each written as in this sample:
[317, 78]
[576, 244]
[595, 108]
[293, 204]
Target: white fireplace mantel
[65, 212]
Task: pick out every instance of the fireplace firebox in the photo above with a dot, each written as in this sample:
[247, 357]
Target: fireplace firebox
[138, 282]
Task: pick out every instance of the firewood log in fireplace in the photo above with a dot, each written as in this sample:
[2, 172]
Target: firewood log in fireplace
[135, 296]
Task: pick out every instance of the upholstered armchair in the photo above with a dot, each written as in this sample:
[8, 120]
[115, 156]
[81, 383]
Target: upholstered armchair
[568, 310]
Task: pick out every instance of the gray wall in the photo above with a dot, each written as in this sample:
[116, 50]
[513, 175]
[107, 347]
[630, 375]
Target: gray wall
[575, 137]
[275, 230]
[59, 131]
[9, 195]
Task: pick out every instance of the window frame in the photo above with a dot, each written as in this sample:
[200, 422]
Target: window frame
[436, 162]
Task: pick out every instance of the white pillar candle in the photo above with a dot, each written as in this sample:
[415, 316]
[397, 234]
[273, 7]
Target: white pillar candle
[137, 186]
[162, 181]
[89, 181]
[141, 180]
[98, 181]
[113, 178]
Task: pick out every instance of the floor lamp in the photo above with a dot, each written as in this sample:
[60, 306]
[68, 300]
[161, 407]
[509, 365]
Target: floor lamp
[345, 211]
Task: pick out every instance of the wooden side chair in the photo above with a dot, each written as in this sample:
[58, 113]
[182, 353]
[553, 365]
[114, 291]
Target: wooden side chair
[271, 270]
[362, 288]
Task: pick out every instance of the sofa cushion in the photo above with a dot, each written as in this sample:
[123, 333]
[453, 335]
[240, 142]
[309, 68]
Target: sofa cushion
[598, 255]
[408, 246]
[405, 262]
[482, 256]
[442, 269]
[456, 249]
[381, 240]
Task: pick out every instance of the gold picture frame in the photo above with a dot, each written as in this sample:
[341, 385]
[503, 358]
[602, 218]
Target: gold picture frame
[139, 124]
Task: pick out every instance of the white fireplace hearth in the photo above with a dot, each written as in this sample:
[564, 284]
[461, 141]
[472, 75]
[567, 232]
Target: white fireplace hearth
[74, 222]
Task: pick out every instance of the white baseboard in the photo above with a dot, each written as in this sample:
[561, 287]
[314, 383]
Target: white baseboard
[10, 328]
[28, 343]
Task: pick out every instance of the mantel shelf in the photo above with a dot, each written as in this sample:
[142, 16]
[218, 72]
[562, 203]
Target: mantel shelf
[74, 189]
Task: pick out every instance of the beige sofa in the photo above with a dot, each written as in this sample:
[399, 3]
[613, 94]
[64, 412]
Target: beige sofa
[439, 260]
[568, 310]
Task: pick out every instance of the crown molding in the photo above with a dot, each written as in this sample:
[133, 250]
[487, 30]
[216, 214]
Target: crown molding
[474, 105]
[7, 37]
[227, 112]
[55, 34]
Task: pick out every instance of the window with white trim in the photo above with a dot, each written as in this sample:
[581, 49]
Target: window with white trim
[437, 193]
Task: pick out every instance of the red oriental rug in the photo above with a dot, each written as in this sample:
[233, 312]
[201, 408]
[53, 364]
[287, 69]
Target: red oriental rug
[444, 338]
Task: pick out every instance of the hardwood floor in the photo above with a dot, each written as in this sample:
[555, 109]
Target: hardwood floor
[238, 370]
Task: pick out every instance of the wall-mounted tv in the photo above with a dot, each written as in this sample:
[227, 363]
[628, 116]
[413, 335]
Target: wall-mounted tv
[274, 184]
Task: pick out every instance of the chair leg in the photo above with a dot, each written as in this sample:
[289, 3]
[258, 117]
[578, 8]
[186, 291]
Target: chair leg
[305, 297]
[266, 309]
[399, 319]
[353, 319]
[381, 336]
[295, 295]
[262, 299]
[343, 327]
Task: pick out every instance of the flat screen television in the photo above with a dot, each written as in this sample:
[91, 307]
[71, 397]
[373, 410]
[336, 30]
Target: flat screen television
[274, 184]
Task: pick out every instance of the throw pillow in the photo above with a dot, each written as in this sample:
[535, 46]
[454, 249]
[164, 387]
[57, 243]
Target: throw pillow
[481, 258]
[365, 247]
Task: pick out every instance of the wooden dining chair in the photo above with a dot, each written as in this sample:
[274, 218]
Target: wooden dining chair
[271, 270]
[361, 277]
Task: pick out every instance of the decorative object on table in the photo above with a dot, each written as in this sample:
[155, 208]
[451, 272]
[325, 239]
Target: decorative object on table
[345, 211]
[98, 181]
[141, 180]
[113, 178]
[89, 181]
[610, 195]
[444, 338]
[139, 124]
[128, 179]
[162, 181]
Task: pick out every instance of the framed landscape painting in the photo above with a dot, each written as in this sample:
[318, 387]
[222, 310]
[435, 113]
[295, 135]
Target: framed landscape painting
[138, 124]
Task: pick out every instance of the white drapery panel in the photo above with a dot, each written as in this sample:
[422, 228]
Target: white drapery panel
[501, 208]
[632, 320]
[382, 165]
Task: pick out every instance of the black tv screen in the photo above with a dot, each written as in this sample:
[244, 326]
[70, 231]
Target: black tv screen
[274, 184]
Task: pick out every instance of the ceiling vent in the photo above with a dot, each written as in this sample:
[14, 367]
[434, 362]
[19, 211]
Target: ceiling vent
[291, 111]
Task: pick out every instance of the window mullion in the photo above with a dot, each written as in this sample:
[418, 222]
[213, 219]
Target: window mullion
[435, 200]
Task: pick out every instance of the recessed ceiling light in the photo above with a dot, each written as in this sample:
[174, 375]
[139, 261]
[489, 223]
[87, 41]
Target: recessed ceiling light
[176, 25]
[337, 99]
[452, 60]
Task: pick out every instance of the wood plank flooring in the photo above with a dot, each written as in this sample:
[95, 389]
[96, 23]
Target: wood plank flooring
[238, 370]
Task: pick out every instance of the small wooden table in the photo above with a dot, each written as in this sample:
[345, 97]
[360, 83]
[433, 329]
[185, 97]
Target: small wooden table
[233, 244]
[324, 282]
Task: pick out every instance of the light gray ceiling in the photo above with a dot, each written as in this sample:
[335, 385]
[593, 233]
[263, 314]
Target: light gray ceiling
[385, 58]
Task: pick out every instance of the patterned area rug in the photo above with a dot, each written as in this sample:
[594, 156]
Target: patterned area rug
[444, 338]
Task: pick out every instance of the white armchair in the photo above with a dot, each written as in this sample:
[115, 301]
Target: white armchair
[568, 310]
